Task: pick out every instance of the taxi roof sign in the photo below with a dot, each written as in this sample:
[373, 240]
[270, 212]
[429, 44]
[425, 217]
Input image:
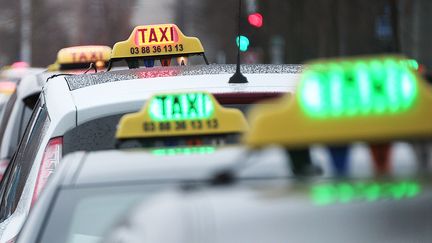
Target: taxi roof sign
[7, 87]
[344, 100]
[181, 114]
[81, 55]
[157, 40]
[358, 87]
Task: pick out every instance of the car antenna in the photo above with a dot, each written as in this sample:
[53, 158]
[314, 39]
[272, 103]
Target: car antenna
[238, 77]
[92, 66]
[58, 75]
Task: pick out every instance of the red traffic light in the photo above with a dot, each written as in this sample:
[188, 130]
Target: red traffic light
[255, 19]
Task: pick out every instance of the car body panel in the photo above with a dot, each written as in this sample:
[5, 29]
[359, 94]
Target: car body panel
[60, 106]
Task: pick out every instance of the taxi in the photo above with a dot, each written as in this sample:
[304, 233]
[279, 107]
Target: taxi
[20, 106]
[16, 114]
[161, 158]
[384, 101]
[81, 112]
[252, 182]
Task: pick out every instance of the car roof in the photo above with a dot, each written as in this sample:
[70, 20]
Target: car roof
[81, 81]
[102, 94]
[122, 166]
[32, 84]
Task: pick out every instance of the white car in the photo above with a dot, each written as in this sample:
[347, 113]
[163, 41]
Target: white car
[30, 82]
[81, 113]
[92, 192]
[17, 113]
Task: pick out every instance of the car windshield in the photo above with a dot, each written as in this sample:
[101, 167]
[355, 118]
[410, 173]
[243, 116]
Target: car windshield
[303, 212]
[83, 215]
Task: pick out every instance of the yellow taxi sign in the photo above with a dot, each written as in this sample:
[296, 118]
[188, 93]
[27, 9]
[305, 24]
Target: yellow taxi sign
[181, 114]
[53, 67]
[83, 54]
[157, 40]
[7, 87]
[368, 99]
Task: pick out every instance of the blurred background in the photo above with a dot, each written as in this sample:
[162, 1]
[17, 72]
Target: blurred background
[292, 31]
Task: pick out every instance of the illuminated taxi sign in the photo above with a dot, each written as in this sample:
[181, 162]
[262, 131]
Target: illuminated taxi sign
[411, 63]
[160, 34]
[357, 87]
[83, 54]
[179, 107]
[181, 114]
[374, 99]
[157, 40]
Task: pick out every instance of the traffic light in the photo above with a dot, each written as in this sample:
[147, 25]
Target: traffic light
[256, 20]
[242, 42]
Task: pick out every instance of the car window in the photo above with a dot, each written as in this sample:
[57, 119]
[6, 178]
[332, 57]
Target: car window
[25, 109]
[23, 161]
[7, 112]
[98, 134]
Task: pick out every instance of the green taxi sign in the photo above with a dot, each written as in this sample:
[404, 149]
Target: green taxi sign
[411, 63]
[358, 87]
[177, 107]
[339, 101]
[195, 113]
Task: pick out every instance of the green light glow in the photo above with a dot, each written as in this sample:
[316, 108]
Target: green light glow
[344, 89]
[183, 151]
[181, 107]
[411, 63]
[326, 194]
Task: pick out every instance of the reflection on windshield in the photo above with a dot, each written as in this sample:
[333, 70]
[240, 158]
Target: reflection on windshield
[84, 215]
[346, 192]
[183, 150]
